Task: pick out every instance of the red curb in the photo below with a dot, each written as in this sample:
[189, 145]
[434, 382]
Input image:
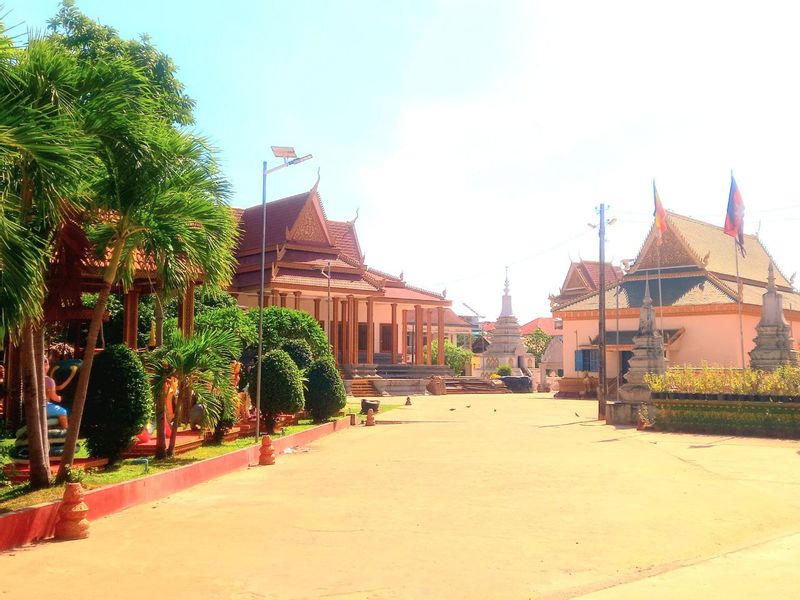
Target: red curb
[38, 522]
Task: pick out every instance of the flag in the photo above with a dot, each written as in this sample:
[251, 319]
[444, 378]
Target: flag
[660, 214]
[734, 217]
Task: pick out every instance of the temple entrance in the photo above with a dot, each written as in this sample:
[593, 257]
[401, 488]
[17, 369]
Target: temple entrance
[385, 338]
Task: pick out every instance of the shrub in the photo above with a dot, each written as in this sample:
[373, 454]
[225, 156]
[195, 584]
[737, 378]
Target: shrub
[281, 386]
[455, 357]
[227, 420]
[504, 370]
[229, 318]
[282, 324]
[326, 394]
[118, 403]
[300, 352]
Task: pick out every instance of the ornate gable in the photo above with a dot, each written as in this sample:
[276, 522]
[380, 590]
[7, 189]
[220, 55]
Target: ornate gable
[574, 281]
[310, 223]
[674, 252]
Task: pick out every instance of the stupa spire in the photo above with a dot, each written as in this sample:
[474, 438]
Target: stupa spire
[506, 311]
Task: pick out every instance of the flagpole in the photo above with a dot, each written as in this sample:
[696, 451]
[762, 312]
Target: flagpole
[660, 301]
[739, 299]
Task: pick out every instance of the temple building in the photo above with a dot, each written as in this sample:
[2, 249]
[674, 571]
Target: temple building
[316, 265]
[696, 304]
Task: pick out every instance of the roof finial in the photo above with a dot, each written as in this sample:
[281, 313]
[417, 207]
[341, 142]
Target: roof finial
[506, 288]
[771, 278]
[354, 218]
[647, 300]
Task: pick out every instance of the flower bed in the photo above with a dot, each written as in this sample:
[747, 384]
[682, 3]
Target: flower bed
[763, 418]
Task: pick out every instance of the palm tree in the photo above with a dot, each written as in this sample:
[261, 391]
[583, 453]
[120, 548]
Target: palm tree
[156, 206]
[41, 154]
[202, 365]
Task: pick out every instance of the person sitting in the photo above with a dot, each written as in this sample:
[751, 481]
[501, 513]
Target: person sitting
[50, 384]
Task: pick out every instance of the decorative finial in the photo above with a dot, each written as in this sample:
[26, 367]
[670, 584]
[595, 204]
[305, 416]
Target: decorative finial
[506, 288]
[354, 218]
[647, 301]
[771, 278]
[444, 293]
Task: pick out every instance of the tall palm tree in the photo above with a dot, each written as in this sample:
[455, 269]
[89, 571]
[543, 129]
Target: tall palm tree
[41, 154]
[202, 365]
[155, 204]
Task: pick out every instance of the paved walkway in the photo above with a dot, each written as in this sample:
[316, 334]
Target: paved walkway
[508, 496]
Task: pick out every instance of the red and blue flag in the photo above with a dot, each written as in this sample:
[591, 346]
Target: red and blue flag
[734, 217]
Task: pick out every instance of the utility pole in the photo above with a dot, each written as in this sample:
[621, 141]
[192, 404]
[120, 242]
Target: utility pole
[601, 375]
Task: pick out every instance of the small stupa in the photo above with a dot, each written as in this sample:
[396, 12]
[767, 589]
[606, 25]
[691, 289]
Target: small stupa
[774, 339]
[648, 357]
[506, 347]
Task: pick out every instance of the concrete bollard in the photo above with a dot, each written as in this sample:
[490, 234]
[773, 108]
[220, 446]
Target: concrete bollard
[266, 453]
[72, 523]
[408, 400]
[370, 418]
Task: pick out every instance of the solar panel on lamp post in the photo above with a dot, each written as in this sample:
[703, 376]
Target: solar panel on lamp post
[290, 158]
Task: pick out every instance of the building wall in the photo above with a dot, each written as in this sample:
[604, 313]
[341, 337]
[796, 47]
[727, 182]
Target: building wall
[713, 339]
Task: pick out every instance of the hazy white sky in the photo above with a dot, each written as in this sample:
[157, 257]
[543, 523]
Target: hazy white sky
[474, 135]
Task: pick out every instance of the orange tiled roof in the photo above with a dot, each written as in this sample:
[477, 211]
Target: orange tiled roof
[344, 238]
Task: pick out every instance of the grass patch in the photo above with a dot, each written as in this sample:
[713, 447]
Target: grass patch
[17, 496]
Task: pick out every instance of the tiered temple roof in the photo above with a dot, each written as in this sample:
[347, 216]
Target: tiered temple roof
[698, 267]
[300, 242]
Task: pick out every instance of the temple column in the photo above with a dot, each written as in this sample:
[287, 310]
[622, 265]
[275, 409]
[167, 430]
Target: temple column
[297, 300]
[354, 322]
[275, 301]
[404, 338]
[346, 331]
[440, 344]
[393, 359]
[418, 326]
[370, 332]
[130, 315]
[429, 337]
[283, 299]
[186, 312]
[333, 334]
[316, 311]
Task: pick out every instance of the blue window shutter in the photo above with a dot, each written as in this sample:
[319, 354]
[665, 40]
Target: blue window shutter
[579, 360]
[594, 361]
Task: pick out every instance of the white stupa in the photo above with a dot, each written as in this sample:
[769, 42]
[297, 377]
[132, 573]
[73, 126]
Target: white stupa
[506, 346]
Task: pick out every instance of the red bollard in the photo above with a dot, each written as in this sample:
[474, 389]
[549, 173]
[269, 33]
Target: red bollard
[72, 523]
[266, 454]
[370, 418]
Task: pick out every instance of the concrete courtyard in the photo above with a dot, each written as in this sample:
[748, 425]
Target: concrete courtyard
[482, 496]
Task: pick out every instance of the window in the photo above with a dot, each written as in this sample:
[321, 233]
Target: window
[587, 360]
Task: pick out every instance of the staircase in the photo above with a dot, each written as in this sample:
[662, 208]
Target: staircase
[361, 387]
[474, 385]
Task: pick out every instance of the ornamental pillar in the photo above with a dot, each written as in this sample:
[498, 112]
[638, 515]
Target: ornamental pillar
[370, 333]
[130, 316]
[333, 334]
[316, 311]
[418, 326]
[354, 334]
[404, 338]
[440, 340]
[429, 337]
[393, 359]
[283, 299]
[297, 300]
[275, 299]
[186, 312]
[346, 330]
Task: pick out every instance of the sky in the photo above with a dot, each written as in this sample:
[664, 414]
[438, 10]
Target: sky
[470, 136]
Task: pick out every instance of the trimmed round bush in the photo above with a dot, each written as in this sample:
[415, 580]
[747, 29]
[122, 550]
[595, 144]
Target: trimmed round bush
[300, 352]
[504, 370]
[281, 386]
[326, 394]
[118, 403]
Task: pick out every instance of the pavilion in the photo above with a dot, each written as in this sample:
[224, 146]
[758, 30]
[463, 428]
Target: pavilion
[316, 265]
[699, 315]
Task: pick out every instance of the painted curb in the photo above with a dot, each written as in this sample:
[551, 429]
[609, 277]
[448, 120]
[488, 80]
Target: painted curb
[38, 522]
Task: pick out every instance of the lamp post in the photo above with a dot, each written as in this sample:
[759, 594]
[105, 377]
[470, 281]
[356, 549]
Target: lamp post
[290, 158]
[602, 389]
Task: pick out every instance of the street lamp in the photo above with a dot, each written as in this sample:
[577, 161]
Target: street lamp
[290, 158]
[328, 277]
[602, 389]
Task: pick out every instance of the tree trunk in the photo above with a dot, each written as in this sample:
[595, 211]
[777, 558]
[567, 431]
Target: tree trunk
[38, 353]
[183, 384]
[39, 470]
[109, 276]
[158, 315]
[161, 435]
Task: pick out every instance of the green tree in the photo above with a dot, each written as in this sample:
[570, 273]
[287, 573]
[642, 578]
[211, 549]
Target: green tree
[455, 357]
[537, 342]
[325, 395]
[281, 386]
[300, 352]
[202, 364]
[231, 318]
[118, 404]
[282, 324]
